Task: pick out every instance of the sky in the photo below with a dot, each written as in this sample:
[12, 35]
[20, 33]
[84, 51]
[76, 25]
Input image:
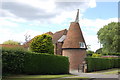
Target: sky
[34, 17]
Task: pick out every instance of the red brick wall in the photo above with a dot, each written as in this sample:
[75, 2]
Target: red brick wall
[76, 57]
[58, 48]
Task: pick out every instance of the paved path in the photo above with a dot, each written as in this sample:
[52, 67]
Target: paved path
[95, 75]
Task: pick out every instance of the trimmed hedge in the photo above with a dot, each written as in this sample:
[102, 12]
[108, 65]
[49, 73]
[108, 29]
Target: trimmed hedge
[46, 64]
[12, 60]
[114, 54]
[96, 64]
[19, 62]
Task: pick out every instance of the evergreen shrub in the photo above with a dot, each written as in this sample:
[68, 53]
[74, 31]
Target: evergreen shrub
[42, 44]
[24, 62]
[96, 64]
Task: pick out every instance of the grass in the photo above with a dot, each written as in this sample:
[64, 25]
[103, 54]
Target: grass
[74, 78]
[109, 71]
[112, 72]
[35, 77]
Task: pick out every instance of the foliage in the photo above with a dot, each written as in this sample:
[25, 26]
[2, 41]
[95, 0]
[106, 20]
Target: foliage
[115, 54]
[96, 55]
[99, 51]
[13, 49]
[11, 42]
[108, 56]
[12, 60]
[46, 64]
[89, 52]
[19, 62]
[42, 44]
[109, 36]
[96, 64]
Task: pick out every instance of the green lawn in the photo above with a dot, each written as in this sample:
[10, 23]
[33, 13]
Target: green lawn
[74, 78]
[109, 71]
[35, 77]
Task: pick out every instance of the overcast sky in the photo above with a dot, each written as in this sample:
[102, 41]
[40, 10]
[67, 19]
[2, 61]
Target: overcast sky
[35, 17]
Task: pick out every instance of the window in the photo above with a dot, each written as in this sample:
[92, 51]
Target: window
[82, 44]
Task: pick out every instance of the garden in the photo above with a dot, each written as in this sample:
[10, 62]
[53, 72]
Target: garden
[40, 60]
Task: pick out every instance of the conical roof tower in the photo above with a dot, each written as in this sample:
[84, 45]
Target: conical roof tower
[74, 45]
[74, 38]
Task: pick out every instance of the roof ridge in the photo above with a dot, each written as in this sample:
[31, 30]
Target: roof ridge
[60, 31]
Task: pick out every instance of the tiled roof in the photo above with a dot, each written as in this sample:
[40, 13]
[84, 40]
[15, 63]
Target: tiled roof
[58, 35]
[74, 36]
[55, 37]
[49, 33]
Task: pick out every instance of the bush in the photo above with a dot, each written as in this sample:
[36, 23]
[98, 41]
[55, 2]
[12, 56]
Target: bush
[11, 42]
[17, 62]
[13, 49]
[115, 54]
[96, 64]
[96, 55]
[46, 64]
[42, 44]
[89, 53]
[12, 60]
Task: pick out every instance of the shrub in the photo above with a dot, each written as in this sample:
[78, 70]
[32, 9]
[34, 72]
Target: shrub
[17, 62]
[114, 54]
[12, 60]
[99, 51]
[96, 55]
[42, 44]
[13, 49]
[11, 42]
[46, 64]
[95, 64]
[89, 53]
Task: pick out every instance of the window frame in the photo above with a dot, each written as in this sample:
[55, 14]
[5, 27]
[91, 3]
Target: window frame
[82, 44]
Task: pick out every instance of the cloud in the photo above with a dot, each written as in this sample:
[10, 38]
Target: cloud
[90, 28]
[27, 12]
[9, 34]
[7, 23]
[92, 40]
[96, 24]
[40, 10]
[92, 3]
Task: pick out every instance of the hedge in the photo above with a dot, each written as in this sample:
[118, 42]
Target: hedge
[24, 62]
[12, 60]
[96, 64]
[114, 54]
[46, 64]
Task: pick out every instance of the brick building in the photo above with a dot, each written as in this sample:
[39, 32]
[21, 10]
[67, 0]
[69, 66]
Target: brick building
[69, 43]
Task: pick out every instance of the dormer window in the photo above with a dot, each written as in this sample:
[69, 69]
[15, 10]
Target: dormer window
[82, 44]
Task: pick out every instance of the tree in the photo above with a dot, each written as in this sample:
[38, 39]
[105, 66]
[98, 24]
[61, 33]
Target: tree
[99, 51]
[109, 37]
[89, 52]
[27, 37]
[11, 42]
[42, 44]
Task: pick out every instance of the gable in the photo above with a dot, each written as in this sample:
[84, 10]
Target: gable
[58, 36]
